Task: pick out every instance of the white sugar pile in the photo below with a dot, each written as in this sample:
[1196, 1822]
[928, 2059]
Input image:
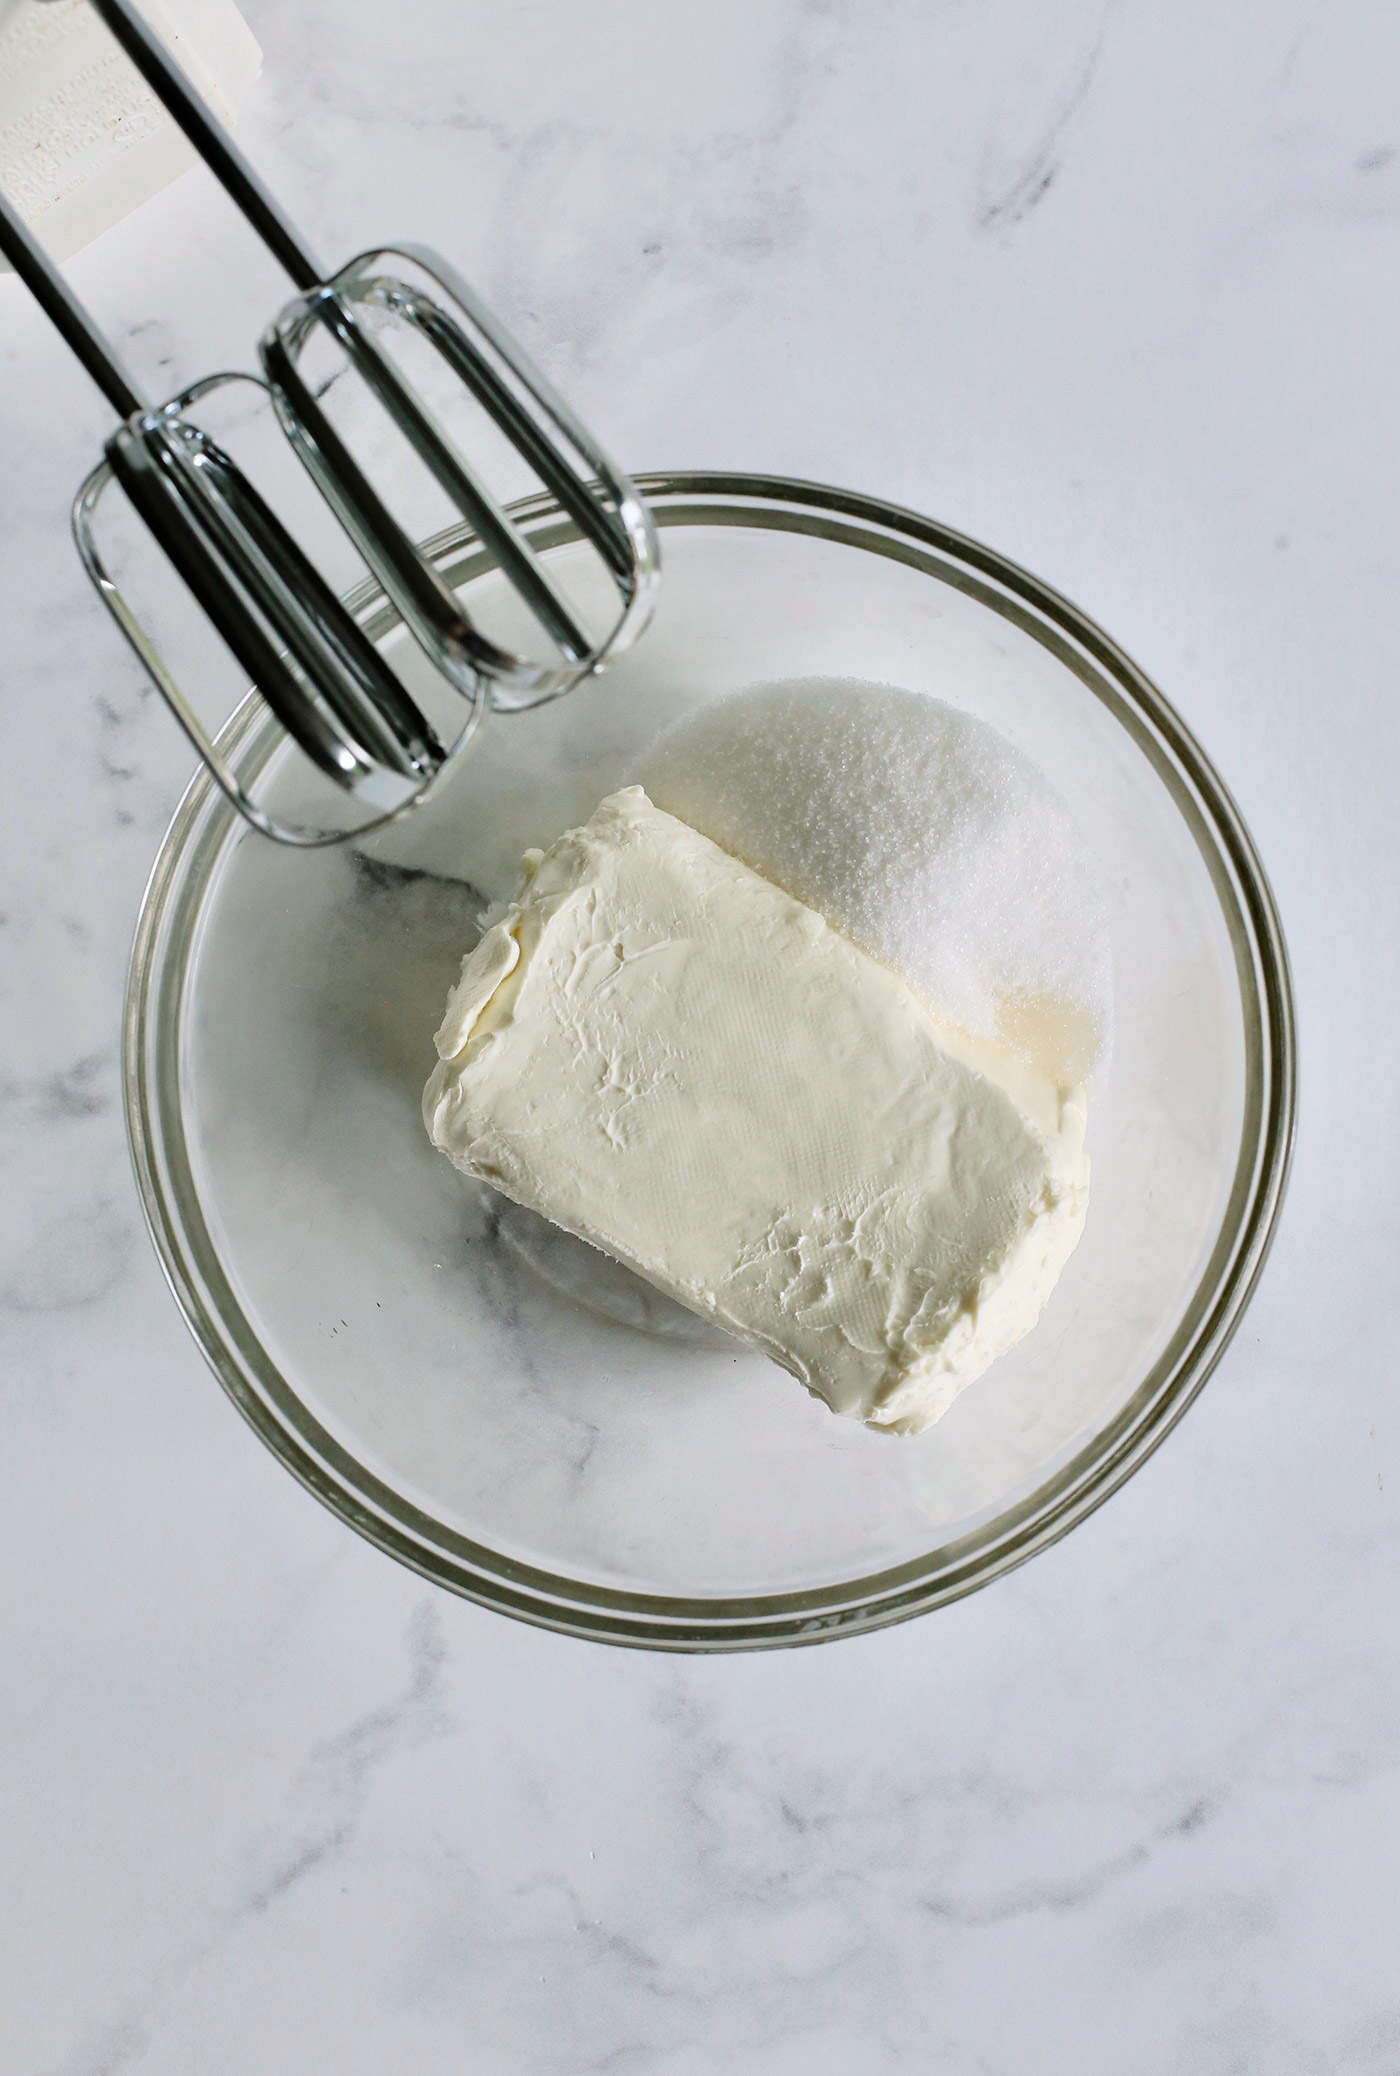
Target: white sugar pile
[923, 835]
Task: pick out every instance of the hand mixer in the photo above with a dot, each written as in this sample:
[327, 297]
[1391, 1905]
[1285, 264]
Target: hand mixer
[336, 696]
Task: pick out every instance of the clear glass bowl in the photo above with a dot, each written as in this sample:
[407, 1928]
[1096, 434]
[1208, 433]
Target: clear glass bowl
[541, 1439]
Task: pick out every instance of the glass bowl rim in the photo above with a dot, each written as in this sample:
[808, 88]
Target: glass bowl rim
[152, 1023]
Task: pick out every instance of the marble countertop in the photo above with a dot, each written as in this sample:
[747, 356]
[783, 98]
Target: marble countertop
[1112, 287]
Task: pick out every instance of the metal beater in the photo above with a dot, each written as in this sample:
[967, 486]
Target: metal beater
[330, 687]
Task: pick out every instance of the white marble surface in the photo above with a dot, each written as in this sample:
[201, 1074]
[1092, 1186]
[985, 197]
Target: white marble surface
[1114, 288]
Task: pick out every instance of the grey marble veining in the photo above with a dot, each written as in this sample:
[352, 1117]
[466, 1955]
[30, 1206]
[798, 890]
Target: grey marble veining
[1112, 287]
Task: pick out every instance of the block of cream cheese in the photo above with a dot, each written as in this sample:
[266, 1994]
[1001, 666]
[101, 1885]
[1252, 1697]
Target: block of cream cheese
[83, 140]
[670, 1057]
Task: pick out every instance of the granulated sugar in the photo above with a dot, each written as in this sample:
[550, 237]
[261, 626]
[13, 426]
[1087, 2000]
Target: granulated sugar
[923, 835]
